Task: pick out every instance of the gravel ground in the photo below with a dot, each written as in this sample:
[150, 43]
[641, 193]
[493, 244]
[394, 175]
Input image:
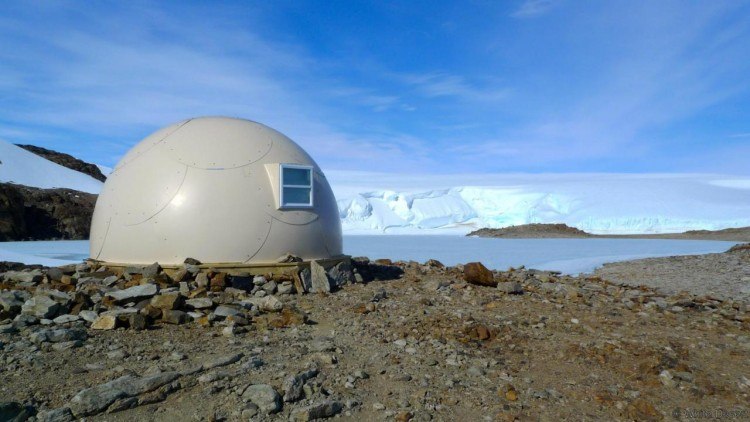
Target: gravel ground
[432, 343]
[722, 275]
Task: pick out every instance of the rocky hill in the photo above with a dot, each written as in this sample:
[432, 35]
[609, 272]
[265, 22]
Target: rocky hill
[35, 214]
[51, 210]
[66, 160]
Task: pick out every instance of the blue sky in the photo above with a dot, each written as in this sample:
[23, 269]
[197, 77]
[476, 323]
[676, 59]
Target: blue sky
[398, 86]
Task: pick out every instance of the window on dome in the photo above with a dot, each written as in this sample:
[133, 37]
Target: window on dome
[296, 186]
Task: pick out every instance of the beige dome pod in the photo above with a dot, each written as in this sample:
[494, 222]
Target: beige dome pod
[231, 193]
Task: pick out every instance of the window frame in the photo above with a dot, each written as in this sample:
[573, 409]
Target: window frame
[282, 185]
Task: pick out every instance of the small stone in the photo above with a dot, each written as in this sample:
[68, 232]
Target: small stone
[230, 331]
[170, 301]
[225, 311]
[199, 303]
[104, 322]
[10, 303]
[293, 385]
[173, 317]
[285, 288]
[137, 322]
[269, 287]
[404, 416]
[62, 414]
[510, 287]
[117, 354]
[666, 378]
[64, 319]
[318, 279]
[288, 257]
[510, 393]
[192, 261]
[41, 307]
[151, 312]
[222, 361]
[271, 304]
[201, 280]
[151, 271]
[109, 281]
[140, 291]
[378, 406]
[263, 396]
[218, 282]
[323, 410]
[55, 274]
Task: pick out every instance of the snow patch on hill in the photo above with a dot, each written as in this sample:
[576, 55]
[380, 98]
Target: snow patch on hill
[597, 203]
[25, 168]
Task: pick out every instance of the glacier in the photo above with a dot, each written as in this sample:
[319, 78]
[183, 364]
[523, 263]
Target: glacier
[385, 203]
[373, 203]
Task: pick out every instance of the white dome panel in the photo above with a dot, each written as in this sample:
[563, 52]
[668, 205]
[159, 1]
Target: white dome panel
[204, 192]
[196, 146]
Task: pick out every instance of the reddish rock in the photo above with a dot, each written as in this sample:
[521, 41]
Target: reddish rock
[476, 273]
[219, 282]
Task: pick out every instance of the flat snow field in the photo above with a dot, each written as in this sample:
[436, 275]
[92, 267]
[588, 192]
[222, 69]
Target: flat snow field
[571, 256]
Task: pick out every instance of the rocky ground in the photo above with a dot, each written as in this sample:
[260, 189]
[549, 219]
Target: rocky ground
[723, 275]
[390, 341]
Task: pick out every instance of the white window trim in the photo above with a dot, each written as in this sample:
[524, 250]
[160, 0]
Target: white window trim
[311, 186]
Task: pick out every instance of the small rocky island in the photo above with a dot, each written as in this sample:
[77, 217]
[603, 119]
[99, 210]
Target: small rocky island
[560, 230]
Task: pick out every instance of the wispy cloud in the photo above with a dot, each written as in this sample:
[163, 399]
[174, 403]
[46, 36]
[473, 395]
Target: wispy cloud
[533, 8]
[437, 84]
[616, 86]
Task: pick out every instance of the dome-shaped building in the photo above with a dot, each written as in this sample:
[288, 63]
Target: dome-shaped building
[224, 191]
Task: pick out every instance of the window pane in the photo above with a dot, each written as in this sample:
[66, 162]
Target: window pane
[294, 176]
[296, 196]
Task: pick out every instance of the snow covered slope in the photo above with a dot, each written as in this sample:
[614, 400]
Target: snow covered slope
[372, 203]
[25, 168]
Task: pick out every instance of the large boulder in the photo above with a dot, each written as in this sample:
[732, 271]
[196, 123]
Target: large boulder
[477, 273]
